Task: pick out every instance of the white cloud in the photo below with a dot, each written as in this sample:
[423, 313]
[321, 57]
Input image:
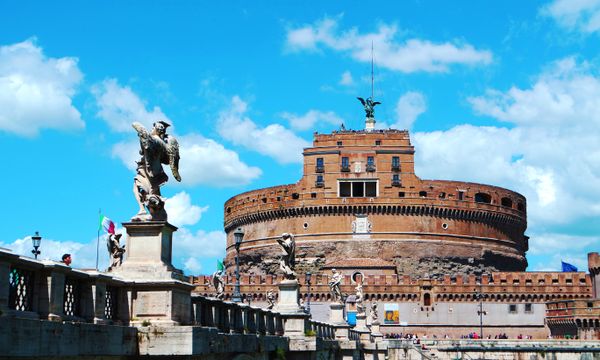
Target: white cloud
[181, 211]
[119, 106]
[200, 244]
[37, 92]
[549, 249]
[405, 56]
[203, 162]
[82, 254]
[308, 120]
[582, 15]
[192, 266]
[409, 107]
[549, 154]
[347, 79]
[273, 140]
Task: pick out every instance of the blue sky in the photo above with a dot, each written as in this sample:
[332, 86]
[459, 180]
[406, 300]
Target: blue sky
[505, 93]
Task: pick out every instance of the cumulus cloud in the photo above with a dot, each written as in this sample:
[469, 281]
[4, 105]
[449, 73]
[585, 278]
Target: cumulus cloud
[409, 107]
[36, 92]
[83, 254]
[581, 15]
[181, 210]
[119, 106]
[556, 118]
[203, 161]
[549, 249]
[404, 55]
[188, 246]
[310, 118]
[274, 140]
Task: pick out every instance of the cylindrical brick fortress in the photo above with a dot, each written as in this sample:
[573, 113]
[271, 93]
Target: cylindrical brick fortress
[360, 198]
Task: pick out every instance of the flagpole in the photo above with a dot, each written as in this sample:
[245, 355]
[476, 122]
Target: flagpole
[98, 239]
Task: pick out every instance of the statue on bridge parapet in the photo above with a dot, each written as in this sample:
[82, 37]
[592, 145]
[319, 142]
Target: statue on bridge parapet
[335, 286]
[115, 250]
[156, 148]
[374, 312]
[270, 299]
[287, 263]
[218, 283]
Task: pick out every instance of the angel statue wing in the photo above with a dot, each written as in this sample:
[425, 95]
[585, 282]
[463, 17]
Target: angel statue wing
[173, 151]
[376, 103]
[362, 101]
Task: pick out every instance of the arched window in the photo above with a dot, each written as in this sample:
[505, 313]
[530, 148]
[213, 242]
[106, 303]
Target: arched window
[483, 198]
[427, 299]
[520, 207]
[423, 193]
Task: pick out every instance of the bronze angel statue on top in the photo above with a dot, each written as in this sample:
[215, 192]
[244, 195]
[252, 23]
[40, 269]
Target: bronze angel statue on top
[157, 148]
[369, 106]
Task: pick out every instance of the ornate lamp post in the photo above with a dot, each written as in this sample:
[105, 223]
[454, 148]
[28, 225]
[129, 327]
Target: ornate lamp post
[480, 312]
[238, 236]
[36, 240]
[307, 277]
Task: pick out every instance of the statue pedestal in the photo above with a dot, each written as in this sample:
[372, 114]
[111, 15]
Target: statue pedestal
[158, 292]
[295, 320]
[369, 124]
[361, 327]
[148, 252]
[288, 302]
[375, 331]
[336, 318]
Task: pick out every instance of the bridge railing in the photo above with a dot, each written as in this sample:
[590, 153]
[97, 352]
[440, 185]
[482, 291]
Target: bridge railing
[44, 289]
[229, 317]
[322, 330]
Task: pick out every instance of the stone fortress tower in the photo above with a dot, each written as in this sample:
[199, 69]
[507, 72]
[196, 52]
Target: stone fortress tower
[360, 205]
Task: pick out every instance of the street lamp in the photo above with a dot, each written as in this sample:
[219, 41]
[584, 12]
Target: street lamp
[307, 277]
[36, 241]
[238, 236]
[480, 312]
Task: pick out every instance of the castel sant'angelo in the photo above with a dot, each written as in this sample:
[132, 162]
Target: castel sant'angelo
[442, 257]
[361, 202]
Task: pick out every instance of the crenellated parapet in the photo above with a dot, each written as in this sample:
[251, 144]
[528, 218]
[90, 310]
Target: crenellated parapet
[531, 287]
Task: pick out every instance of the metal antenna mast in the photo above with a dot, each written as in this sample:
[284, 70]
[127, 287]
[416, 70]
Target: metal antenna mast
[372, 73]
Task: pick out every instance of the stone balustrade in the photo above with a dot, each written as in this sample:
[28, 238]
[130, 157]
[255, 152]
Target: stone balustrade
[43, 289]
[232, 318]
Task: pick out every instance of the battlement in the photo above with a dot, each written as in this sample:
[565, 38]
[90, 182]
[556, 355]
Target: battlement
[498, 286]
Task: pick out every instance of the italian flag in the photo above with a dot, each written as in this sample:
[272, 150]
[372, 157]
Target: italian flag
[106, 224]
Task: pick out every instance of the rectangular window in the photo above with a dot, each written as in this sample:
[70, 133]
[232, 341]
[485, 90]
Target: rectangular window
[401, 194]
[319, 178]
[345, 189]
[528, 308]
[461, 195]
[395, 180]
[319, 167]
[370, 160]
[339, 143]
[512, 308]
[358, 188]
[396, 163]
[345, 164]
[377, 142]
[371, 189]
